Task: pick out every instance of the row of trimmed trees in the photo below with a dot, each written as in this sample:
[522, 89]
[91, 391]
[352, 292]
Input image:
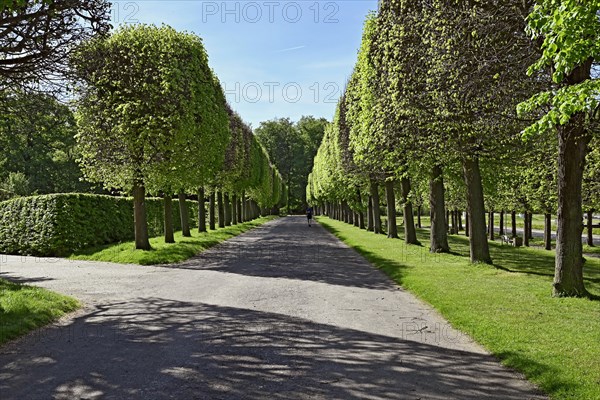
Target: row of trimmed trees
[433, 101]
[152, 118]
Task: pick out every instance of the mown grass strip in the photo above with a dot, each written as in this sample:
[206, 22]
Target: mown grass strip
[166, 253]
[507, 307]
[24, 308]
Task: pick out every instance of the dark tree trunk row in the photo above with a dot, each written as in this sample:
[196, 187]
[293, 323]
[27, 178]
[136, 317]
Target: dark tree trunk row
[184, 215]
[221, 209]
[201, 211]
[212, 218]
[513, 222]
[491, 226]
[139, 217]
[392, 229]
[548, 231]
[168, 216]
[410, 233]
[375, 200]
[590, 223]
[226, 209]
[234, 202]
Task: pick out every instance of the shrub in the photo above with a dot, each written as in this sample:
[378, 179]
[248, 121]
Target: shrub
[58, 224]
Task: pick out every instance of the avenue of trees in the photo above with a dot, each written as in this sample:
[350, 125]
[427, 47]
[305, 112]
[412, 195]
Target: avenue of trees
[153, 118]
[484, 107]
[149, 117]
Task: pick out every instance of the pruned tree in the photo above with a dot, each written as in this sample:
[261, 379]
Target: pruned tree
[150, 113]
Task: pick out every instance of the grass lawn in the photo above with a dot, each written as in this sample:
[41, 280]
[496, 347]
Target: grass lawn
[24, 308]
[507, 307]
[537, 223]
[166, 253]
[591, 250]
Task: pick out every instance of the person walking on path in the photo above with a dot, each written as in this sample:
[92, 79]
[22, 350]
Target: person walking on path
[309, 213]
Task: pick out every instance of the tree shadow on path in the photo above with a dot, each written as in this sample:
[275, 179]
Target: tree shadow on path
[282, 249]
[157, 348]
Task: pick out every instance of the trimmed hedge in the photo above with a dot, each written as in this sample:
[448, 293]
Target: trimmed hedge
[59, 224]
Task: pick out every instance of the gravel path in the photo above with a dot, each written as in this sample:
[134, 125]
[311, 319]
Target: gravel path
[281, 312]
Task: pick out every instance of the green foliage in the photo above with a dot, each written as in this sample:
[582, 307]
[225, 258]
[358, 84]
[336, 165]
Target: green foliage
[151, 110]
[24, 308]
[292, 147]
[37, 140]
[261, 182]
[57, 225]
[569, 31]
[16, 184]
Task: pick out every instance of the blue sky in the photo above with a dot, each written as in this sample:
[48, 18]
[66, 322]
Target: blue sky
[274, 58]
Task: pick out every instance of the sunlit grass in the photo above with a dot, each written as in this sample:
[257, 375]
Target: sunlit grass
[24, 308]
[507, 307]
[166, 253]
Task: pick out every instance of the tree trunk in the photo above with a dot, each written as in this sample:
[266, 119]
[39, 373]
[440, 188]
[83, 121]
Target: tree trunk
[456, 225]
[238, 205]
[513, 222]
[287, 200]
[350, 215]
[244, 213]
[530, 225]
[590, 223]
[491, 226]
[448, 220]
[467, 224]
[548, 231]
[419, 212]
[410, 234]
[478, 244]
[452, 222]
[256, 209]
[234, 217]
[201, 211]
[572, 148]
[221, 209]
[392, 229]
[356, 219]
[370, 226]
[460, 221]
[211, 211]
[184, 214]
[168, 222]
[139, 217]
[376, 215]
[438, 234]
[227, 209]
[501, 223]
[345, 212]
[526, 229]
